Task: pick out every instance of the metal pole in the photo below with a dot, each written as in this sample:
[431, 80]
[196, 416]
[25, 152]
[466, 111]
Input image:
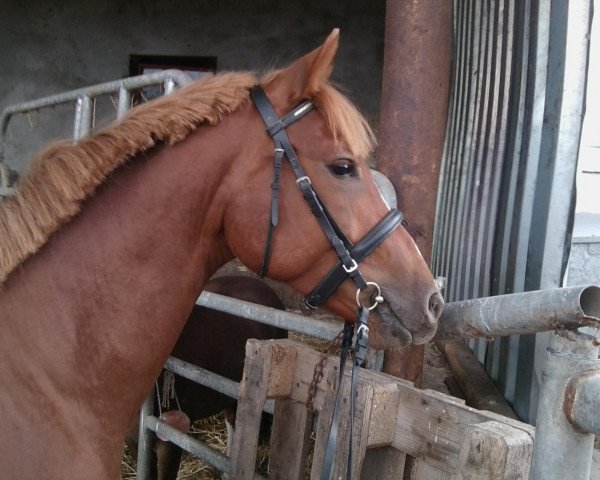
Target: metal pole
[211, 380]
[83, 117]
[124, 102]
[412, 125]
[144, 453]
[324, 330]
[521, 313]
[582, 402]
[560, 449]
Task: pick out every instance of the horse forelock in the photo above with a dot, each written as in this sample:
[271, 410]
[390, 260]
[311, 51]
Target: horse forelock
[344, 120]
[64, 174]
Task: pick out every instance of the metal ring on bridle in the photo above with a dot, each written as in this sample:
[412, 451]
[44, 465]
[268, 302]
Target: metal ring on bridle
[378, 297]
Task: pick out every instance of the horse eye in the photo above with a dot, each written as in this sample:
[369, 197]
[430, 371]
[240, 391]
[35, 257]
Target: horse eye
[343, 169]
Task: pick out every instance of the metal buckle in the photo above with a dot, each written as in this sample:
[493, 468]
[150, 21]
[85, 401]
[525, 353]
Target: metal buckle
[352, 267]
[363, 330]
[298, 180]
[378, 297]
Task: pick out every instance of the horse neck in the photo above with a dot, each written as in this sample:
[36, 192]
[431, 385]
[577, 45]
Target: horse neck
[94, 314]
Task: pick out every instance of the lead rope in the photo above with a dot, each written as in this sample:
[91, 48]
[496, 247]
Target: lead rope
[360, 355]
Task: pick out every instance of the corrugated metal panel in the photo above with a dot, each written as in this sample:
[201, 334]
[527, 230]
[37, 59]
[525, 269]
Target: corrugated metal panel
[507, 183]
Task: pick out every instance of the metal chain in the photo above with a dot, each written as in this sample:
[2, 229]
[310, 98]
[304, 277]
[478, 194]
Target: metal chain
[318, 371]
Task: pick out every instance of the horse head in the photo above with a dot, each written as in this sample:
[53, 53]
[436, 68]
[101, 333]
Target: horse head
[333, 143]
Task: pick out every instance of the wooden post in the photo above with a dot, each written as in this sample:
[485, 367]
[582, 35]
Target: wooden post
[253, 393]
[289, 440]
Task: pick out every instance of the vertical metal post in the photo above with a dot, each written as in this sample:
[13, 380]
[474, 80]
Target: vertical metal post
[169, 86]
[124, 102]
[561, 450]
[412, 126]
[83, 117]
[144, 454]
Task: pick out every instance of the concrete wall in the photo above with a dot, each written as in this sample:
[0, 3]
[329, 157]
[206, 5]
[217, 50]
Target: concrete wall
[54, 46]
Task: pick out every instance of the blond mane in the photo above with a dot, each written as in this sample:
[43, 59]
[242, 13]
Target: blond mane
[66, 173]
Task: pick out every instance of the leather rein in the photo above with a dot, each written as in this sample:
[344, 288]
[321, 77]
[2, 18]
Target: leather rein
[349, 255]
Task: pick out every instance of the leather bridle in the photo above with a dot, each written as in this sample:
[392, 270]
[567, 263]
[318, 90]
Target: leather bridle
[349, 255]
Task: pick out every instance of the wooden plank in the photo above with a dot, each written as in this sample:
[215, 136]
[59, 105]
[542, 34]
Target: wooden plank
[289, 440]
[283, 365]
[422, 470]
[495, 451]
[430, 426]
[479, 389]
[383, 463]
[253, 393]
[384, 408]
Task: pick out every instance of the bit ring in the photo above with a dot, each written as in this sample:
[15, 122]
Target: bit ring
[378, 297]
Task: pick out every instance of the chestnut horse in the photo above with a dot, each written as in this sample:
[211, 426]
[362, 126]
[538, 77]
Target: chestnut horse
[109, 241]
[215, 341]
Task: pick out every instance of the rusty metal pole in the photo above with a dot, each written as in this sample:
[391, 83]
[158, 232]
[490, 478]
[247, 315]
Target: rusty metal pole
[412, 126]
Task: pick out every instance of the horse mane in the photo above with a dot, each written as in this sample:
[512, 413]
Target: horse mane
[64, 174]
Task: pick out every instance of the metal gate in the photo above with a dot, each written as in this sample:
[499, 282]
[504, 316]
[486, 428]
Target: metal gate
[83, 101]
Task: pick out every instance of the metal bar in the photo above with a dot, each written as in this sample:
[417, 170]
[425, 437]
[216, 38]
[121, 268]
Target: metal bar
[414, 111]
[169, 86]
[144, 453]
[560, 450]
[188, 443]
[130, 83]
[175, 76]
[211, 380]
[124, 102]
[324, 330]
[521, 313]
[83, 117]
[191, 445]
[4, 175]
[582, 400]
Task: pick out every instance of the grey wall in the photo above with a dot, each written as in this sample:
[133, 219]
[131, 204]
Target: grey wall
[54, 46]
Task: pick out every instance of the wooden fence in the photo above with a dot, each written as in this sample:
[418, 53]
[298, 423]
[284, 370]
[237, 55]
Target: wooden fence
[447, 439]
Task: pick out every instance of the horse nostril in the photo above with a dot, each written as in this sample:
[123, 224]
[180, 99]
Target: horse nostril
[436, 305]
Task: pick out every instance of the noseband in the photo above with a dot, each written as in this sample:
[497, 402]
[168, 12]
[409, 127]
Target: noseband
[349, 255]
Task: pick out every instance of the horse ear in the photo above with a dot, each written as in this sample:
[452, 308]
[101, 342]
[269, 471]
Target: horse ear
[304, 78]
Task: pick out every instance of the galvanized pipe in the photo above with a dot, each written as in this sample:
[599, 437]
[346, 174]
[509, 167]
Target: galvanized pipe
[324, 330]
[4, 175]
[582, 400]
[521, 313]
[209, 379]
[173, 77]
[83, 117]
[561, 450]
[144, 453]
[124, 102]
[191, 445]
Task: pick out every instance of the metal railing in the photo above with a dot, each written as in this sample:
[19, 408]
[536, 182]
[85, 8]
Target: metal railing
[569, 399]
[321, 329]
[83, 101]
